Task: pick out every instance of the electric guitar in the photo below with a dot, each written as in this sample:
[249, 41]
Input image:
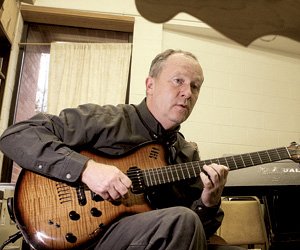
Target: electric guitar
[56, 215]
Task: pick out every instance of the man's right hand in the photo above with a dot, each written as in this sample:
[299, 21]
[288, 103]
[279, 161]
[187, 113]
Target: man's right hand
[106, 180]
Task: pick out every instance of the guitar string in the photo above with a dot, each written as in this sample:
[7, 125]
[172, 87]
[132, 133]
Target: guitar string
[256, 158]
[260, 157]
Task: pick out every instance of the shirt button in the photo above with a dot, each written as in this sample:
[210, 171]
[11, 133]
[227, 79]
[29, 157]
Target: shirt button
[40, 166]
[68, 176]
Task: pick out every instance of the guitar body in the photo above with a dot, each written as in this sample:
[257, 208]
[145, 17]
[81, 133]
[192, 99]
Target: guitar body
[50, 215]
[55, 215]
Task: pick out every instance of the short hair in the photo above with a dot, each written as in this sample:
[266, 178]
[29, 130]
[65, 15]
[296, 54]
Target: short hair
[158, 61]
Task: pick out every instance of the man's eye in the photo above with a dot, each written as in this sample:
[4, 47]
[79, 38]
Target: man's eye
[195, 86]
[178, 81]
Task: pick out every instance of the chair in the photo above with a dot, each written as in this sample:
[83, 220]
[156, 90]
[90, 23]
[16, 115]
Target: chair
[243, 223]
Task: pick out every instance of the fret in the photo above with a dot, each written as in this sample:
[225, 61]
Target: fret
[208, 162]
[155, 176]
[217, 161]
[166, 174]
[191, 169]
[255, 158]
[230, 162]
[226, 162]
[277, 154]
[251, 159]
[187, 170]
[264, 156]
[147, 182]
[268, 155]
[273, 155]
[161, 174]
[182, 173]
[194, 169]
[152, 173]
[198, 168]
[283, 152]
[160, 177]
[222, 161]
[149, 176]
[235, 163]
[247, 160]
[178, 172]
[171, 171]
[239, 161]
[259, 158]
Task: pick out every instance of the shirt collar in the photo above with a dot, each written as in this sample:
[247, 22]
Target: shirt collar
[155, 128]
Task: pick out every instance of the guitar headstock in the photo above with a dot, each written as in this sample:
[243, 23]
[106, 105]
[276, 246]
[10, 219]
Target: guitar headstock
[294, 150]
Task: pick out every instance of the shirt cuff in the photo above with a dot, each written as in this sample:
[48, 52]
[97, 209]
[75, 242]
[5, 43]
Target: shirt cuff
[203, 210]
[74, 167]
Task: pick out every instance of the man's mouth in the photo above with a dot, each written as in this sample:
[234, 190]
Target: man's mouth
[182, 106]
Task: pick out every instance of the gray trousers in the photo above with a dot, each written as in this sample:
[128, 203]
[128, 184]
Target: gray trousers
[176, 228]
[170, 228]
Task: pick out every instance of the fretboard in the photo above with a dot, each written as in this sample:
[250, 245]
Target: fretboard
[185, 171]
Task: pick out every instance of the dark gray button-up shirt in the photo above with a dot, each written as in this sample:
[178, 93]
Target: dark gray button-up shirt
[50, 145]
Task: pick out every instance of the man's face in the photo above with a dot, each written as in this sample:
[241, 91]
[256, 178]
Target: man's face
[171, 95]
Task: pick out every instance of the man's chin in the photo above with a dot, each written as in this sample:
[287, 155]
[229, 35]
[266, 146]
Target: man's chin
[179, 119]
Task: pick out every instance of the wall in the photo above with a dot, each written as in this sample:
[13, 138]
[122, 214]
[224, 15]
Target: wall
[10, 80]
[249, 99]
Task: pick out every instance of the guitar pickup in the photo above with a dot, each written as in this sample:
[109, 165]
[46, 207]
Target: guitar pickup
[81, 195]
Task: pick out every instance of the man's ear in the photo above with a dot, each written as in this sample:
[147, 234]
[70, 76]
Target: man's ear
[149, 85]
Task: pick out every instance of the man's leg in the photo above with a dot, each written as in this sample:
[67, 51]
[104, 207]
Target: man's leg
[171, 228]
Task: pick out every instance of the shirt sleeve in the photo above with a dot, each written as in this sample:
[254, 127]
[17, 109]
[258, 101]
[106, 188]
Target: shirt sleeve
[51, 145]
[211, 217]
[43, 144]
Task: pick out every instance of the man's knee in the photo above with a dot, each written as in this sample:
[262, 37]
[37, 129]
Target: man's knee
[185, 216]
[186, 226]
[183, 211]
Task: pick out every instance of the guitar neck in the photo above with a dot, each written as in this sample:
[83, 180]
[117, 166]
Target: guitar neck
[185, 171]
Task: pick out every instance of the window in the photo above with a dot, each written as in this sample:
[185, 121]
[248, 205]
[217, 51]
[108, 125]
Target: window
[32, 86]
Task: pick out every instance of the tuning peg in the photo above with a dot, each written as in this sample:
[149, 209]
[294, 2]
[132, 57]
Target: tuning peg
[294, 143]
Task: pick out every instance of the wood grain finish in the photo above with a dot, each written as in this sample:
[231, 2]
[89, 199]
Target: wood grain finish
[43, 206]
[240, 20]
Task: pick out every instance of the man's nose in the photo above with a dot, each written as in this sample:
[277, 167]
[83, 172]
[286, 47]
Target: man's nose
[186, 90]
